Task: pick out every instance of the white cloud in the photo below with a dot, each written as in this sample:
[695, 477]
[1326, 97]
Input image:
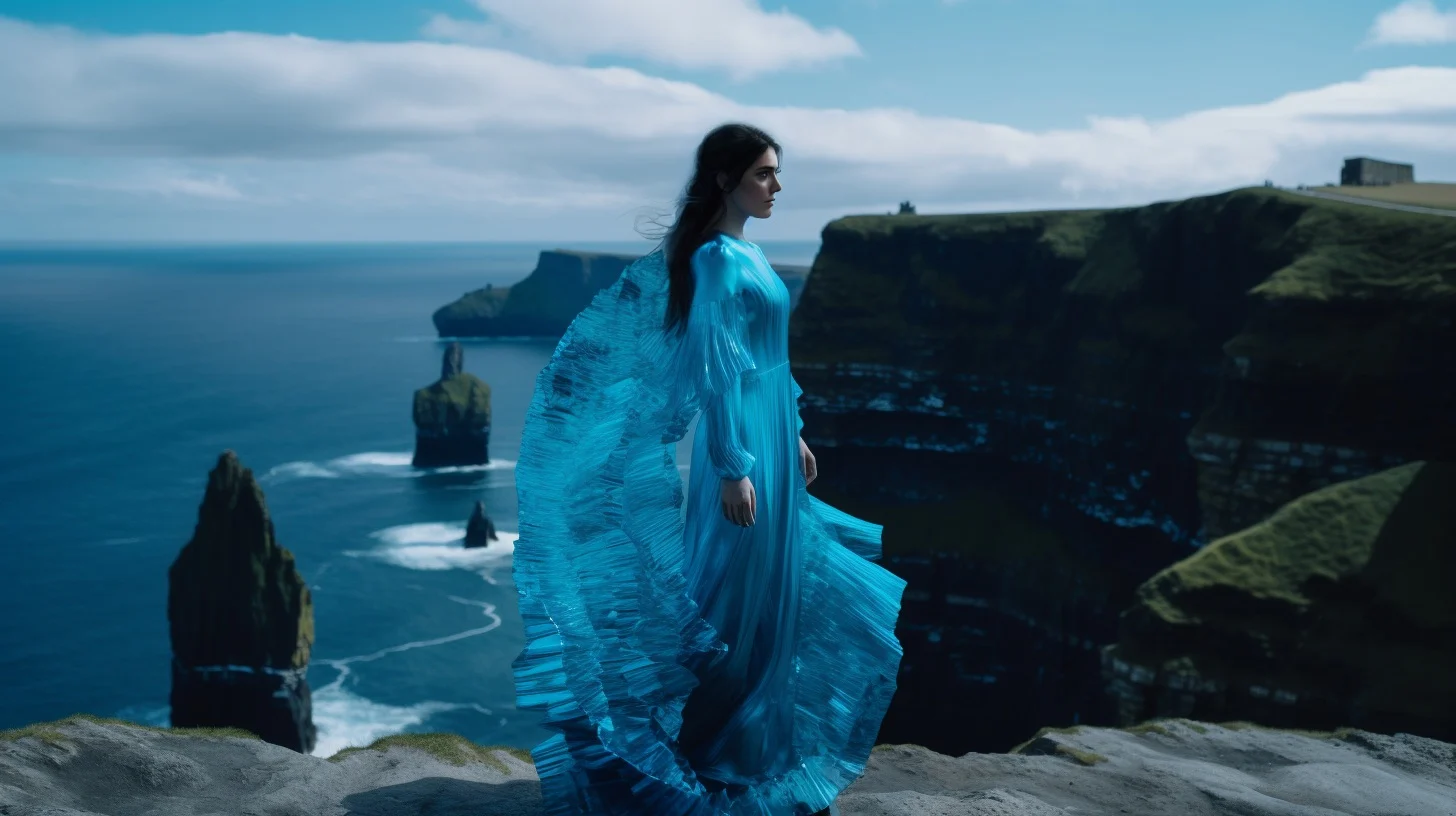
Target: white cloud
[216, 187]
[736, 36]
[444, 133]
[1414, 22]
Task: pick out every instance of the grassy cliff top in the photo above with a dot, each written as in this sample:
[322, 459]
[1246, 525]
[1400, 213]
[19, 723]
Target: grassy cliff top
[1330, 250]
[1420, 194]
[1293, 281]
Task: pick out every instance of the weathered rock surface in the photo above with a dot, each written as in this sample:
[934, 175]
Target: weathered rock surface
[241, 619]
[544, 303]
[82, 767]
[1339, 608]
[1045, 409]
[452, 416]
[480, 530]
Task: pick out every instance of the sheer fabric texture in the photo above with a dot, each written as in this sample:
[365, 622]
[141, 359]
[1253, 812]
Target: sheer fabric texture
[689, 665]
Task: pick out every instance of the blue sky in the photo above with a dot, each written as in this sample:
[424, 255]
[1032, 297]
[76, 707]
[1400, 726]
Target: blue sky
[486, 119]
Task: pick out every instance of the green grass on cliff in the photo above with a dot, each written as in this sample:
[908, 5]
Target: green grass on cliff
[1340, 250]
[1322, 538]
[50, 733]
[1437, 195]
[1346, 587]
[997, 292]
[1353, 252]
[451, 748]
[457, 399]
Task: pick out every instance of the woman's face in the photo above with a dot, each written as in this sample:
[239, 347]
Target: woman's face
[755, 191]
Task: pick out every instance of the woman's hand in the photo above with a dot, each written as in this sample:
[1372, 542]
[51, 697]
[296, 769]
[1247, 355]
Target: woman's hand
[807, 465]
[740, 504]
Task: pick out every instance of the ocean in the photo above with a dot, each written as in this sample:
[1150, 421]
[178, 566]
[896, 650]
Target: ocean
[127, 370]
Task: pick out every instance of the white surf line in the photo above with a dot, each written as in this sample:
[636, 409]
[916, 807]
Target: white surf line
[343, 663]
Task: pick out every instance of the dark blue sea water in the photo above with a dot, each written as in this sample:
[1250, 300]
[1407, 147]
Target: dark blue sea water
[125, 371]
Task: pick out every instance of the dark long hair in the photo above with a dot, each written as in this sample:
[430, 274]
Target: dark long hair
[730, 149]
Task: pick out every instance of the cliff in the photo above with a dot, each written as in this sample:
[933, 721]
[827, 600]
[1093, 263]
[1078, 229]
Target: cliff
[241, 619]
[89, 765]
[544, 303]
[1338, 609]
[1054, 406]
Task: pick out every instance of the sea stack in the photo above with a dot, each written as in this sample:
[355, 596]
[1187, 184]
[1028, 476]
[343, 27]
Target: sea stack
[452, 417]
[241, 619]
[480, 531]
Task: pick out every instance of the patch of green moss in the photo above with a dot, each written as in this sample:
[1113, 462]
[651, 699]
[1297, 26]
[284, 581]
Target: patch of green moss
[1356, 252]
[1244, 725]
[50, 733]
[1084, 757]
[1325, 535]
[1346, 587]
[451, 748]
[461, 398]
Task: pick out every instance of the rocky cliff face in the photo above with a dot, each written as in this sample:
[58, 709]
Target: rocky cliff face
[1047, 408]
[544, 304]
[241, 619]
[452, 416]
[1339, 608]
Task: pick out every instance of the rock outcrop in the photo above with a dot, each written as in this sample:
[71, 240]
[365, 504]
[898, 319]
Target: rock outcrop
[1045, 409]
[452, 416]
[544, 303]
[1339, 608]
[480, 530]
[241, 619]
[86, 766]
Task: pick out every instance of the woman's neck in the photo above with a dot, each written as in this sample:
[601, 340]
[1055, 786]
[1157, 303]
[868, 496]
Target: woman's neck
[731, 224]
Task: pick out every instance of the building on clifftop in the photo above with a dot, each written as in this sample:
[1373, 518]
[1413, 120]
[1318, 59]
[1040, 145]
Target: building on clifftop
[1363, 172]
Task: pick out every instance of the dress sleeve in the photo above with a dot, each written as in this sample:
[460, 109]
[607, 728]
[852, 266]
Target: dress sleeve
[718, 352]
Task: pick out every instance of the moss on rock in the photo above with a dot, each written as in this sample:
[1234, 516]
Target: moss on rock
[1343, 595]
[451, 748]
[50, 732]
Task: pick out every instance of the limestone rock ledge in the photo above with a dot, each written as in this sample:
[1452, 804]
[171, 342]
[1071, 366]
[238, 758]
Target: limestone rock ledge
[84, 765]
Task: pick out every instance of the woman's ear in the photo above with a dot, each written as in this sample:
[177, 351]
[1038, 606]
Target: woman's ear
[722, 182]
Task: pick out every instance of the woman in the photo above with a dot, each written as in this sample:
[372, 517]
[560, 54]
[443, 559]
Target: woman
[737, 661]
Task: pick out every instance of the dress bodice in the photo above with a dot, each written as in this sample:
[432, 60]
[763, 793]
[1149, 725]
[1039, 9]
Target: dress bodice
[765, 303]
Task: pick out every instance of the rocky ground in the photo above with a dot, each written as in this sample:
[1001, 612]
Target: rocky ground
[83, 765]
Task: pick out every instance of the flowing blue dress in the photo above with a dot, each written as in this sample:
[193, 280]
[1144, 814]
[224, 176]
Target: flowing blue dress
[691, 666]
